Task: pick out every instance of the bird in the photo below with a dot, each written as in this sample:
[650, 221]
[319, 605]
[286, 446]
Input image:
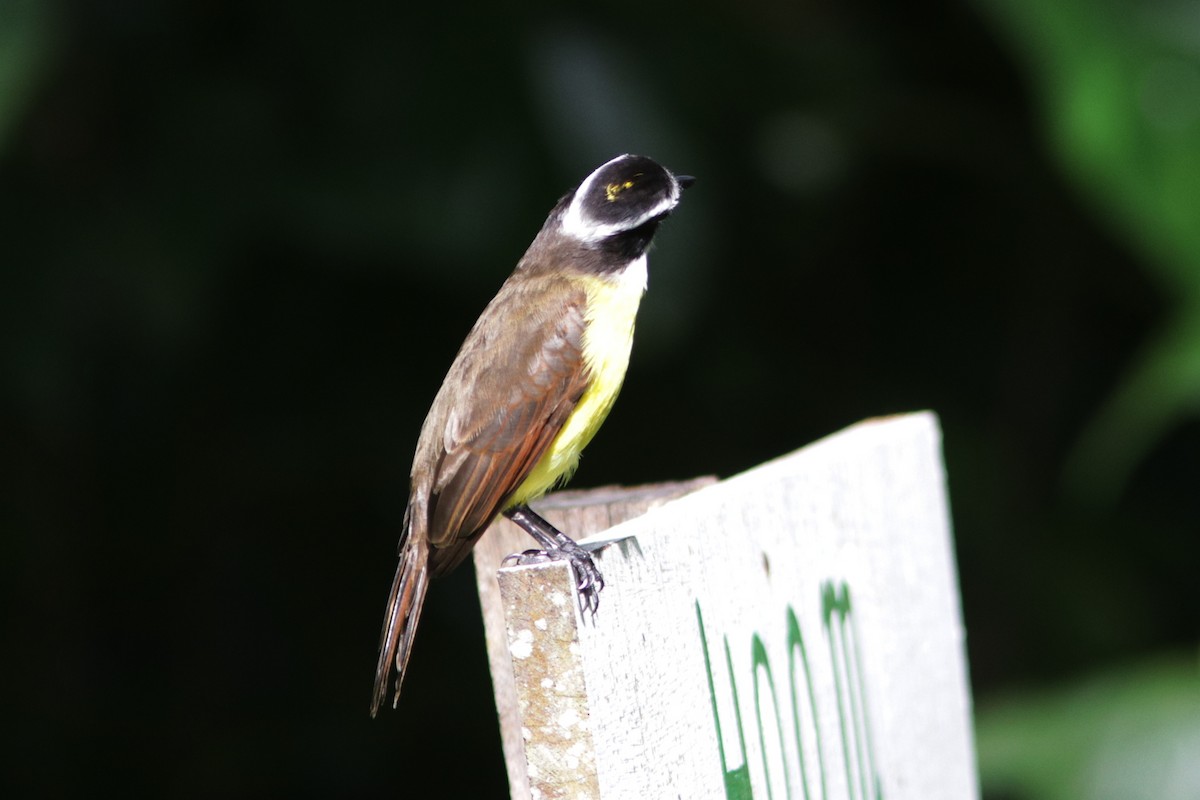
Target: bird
[531, 384]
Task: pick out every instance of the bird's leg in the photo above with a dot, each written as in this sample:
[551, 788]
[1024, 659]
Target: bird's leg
[558, 546]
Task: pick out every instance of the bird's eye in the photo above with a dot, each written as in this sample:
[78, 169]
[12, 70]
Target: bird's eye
[613, 190]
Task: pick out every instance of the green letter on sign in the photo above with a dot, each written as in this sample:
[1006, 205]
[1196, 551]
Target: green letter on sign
[758, 658]
[796, 645]
[737, 781]
[851, 693]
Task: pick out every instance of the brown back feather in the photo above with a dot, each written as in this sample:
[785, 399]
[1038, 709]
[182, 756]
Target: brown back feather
[514, 383]
[524, 385]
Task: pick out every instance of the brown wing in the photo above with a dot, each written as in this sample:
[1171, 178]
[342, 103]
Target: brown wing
[514, 383]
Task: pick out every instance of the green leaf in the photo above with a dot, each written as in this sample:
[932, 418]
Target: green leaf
[25, 45]
[1129, 734]
[1119, 87]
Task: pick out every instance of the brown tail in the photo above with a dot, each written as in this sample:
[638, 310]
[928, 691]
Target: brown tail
[403, 613]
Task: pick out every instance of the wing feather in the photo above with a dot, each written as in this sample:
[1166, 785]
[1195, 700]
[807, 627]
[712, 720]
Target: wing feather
[527, 380]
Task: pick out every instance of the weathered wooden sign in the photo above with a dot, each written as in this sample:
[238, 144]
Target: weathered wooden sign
[791, 632]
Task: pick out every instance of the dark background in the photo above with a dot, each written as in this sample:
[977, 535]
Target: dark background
[240, 244]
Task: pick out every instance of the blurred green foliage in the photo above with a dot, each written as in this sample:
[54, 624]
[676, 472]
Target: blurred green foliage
[1131, 733]
[1118, 87]
[26, 49]
[241, 242]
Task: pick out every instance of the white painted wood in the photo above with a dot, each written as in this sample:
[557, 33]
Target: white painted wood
[579, 513]
[847, 544]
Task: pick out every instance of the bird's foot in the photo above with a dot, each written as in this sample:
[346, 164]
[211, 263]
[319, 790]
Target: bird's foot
[588, 580]
[559, 547]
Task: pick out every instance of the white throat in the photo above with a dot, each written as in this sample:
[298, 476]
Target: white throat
[634, 278]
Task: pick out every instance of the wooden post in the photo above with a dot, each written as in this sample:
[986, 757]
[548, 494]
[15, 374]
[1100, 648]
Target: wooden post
[581, 514]
[791, 632]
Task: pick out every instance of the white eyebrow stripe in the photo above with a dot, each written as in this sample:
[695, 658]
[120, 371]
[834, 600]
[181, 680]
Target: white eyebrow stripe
[574, 226]
[572, 219]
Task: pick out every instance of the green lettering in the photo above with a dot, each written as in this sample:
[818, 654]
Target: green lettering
[851, 691]
[737, 781]
[796, 645]
[758, 658]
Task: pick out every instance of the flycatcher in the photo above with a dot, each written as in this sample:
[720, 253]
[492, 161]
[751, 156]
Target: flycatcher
[528, 389]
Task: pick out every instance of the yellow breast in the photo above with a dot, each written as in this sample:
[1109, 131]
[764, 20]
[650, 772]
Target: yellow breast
[612, 305]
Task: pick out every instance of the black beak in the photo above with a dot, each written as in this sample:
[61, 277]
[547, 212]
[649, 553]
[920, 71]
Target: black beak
[684, 181]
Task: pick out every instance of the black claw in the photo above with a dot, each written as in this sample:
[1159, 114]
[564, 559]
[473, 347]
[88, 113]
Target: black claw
[589, 581]
[526, 557]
